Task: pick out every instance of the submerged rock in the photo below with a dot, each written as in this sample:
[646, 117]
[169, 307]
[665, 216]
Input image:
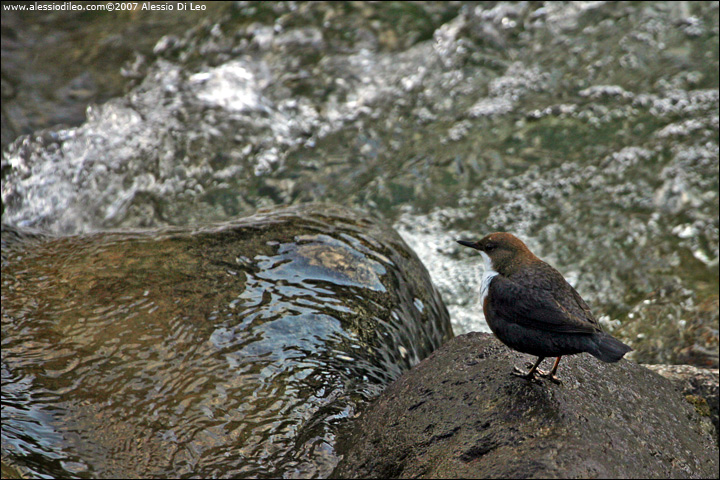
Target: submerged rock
[461, 414]
[671, 326]
[235, 350]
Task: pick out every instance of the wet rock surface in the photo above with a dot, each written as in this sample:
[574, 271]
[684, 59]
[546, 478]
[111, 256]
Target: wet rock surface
[699, 385]
[461, 414]
[235, 350]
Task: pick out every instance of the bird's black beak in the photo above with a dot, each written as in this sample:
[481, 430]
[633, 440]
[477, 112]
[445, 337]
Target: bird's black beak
[468, 244]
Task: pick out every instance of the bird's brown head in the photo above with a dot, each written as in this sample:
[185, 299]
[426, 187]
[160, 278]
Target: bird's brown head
[504, 251]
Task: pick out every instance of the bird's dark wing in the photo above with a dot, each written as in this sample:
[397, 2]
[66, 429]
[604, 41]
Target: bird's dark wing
[538, 308]
[585, 310]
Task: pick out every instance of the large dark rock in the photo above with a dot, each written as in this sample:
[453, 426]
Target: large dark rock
[461, 414]
[234, 350]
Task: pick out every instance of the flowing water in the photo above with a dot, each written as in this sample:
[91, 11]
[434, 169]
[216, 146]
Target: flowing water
[589, 129]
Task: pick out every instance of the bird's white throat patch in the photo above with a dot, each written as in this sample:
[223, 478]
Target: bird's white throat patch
[488, 275]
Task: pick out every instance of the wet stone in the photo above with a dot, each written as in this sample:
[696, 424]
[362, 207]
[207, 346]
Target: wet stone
[461, 414]
[234, 350]
[700, 387]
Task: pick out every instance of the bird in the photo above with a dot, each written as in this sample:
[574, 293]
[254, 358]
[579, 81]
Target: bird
[531, 308]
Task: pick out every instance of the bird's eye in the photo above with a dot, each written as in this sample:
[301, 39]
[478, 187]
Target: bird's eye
[490, 246]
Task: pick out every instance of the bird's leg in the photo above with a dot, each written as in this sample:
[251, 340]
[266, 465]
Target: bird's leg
[551, 374]
[531, 374]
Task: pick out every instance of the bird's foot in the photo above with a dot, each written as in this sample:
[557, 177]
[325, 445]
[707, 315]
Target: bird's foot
[550, 376]
[526, 375]
[530, 375]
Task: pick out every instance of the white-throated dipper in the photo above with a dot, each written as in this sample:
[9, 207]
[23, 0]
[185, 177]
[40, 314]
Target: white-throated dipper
[531, 308]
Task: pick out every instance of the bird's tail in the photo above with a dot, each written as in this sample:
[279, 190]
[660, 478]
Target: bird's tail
[607, 348]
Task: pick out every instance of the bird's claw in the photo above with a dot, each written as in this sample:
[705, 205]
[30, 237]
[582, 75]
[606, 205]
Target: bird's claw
[530, 375]
[550, 376]
[526, 375]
